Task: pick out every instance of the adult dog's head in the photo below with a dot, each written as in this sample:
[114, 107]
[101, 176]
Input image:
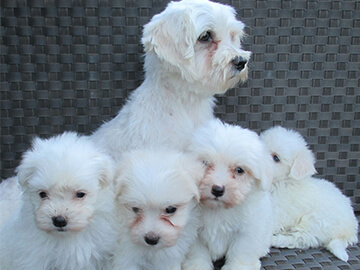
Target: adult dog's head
[201, 42]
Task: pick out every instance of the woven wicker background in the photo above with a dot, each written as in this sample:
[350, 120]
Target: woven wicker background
[69, 65]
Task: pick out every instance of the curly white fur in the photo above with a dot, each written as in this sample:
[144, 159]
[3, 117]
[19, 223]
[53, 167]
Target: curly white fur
[182, 75]
[309, 212]
[64, 176]
[237, 222]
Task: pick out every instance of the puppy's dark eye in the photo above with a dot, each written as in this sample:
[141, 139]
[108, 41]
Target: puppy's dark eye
[43, 195]
[239, 170]
[205, 37]
[135, 210]
[276, 158]
[170, 210]
[206, 163]
[80, 195]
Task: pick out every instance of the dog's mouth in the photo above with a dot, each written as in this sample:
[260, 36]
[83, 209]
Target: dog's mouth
[215, 202]
[212, 202]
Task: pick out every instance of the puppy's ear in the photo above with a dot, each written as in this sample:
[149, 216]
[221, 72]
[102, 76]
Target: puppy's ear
[195, 172]
[29, 162]
[119, 182]
[25, 171]
[303, 165]
[106, 168]
[266, 172]
[171, 36]
[263, 168]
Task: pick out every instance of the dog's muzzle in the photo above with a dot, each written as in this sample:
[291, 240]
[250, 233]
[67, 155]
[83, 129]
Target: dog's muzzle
[239, 62]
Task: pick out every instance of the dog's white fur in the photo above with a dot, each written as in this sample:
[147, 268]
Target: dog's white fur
[60, 169]
[237, 225]
[149, 182]
[309, 212]
[182, 75]
[10, 201]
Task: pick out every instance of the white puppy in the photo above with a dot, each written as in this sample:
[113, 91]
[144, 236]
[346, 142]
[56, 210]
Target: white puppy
[236, 207]
[157, 201]
[66, 221]
[193, 51]
[309, 212]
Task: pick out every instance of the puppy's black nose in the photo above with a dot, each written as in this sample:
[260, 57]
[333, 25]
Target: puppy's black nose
[217, 191]
[151, 239]
[239, 62]
[59, 221]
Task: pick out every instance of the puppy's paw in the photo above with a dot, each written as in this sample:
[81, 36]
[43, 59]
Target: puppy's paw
[282, 241]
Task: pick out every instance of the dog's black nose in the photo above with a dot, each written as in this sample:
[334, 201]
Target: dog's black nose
[217, 191]
[239, 62]
[151, 239]
[59, 221]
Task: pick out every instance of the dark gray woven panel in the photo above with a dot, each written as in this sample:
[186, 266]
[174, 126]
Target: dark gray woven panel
[69, 65]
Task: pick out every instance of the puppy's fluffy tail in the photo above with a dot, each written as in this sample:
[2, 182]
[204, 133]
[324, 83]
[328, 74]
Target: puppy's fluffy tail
[338, 248]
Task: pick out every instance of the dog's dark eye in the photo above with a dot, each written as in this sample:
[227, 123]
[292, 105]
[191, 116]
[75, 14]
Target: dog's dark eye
[205, 37]
[239, 170]
[135, 210]
[80, 194]
[276, 158]
[170, 210]
[205, 162]
[43, 195]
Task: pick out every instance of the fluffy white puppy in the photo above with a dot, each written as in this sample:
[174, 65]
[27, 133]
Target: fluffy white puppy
[66, 221]
[193, 51]
[236, 220]
[157, 202]
[309, 212]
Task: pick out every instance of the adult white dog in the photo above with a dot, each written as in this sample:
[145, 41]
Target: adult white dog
[193, 51]
[236, 220]
[309, 212]
[157, 202]
[67, 219]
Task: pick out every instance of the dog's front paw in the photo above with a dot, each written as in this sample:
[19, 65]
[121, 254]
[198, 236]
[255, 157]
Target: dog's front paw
[282, 241]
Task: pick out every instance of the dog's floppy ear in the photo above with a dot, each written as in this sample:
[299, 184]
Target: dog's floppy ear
[303, 165]
[106, 169]
[28, 165]
[119, 182]
[263, 168]
[25, 171]
[195, 172]
[171, 36]
[266, 172]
